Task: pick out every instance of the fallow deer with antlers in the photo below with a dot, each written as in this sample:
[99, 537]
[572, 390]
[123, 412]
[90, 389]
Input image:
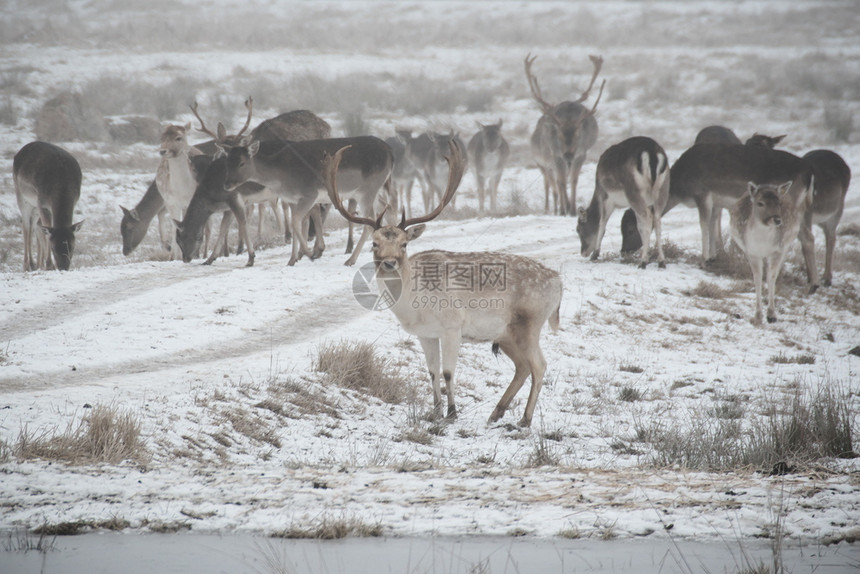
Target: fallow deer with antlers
[564, 134]
[447, 298]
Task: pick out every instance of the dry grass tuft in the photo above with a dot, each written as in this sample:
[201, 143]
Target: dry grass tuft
[800, 429]
[105, 434]
[357, 366]
[327, 528]
[709, 290]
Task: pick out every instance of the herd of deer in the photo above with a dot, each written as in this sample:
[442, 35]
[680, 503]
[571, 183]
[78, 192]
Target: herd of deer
[773, 197]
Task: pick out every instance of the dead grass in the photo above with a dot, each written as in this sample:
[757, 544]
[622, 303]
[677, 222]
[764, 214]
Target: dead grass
[802, 359]
[799, 429]
[104, 434]
[357, 366]
[328, 528]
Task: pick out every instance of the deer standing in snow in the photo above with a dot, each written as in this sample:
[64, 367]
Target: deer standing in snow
[764, 223]
[447, 298]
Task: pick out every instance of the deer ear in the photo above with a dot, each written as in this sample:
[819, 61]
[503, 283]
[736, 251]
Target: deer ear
[77, 226]
[751, 188]
[415, 232]
[131, 213]
[778, 139]
[783, 189]
[253, 148]
[221, 131]
[500, 123]
[188, 127]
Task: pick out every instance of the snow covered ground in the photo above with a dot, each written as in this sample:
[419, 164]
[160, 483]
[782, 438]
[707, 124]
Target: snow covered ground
[197, 353]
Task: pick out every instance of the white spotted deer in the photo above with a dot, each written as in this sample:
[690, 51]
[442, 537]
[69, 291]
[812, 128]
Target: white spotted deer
[447, 298]
[563, 135]
[488, 153]
[635, 174]
[764, 222]
[47, 186]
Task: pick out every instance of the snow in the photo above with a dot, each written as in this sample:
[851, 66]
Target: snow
[180, 345]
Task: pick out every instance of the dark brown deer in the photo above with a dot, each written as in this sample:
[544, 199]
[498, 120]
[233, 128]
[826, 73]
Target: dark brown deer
[635, 174]
[447, 298]
[564, 134]
[47, 186]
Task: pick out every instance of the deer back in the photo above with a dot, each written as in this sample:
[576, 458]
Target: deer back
[724, 171]
[716, 135]
[832, 178]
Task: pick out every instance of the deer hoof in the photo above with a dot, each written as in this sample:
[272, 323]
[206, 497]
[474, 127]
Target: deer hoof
[771, 319]
[497, 414]
[250, 262]
[813, 288]
[661, 264]
[524, 423]
[643, 265]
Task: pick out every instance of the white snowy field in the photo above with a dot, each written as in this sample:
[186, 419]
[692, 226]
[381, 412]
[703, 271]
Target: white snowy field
[243, 435]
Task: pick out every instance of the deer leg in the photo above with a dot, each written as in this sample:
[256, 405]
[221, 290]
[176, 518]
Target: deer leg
[352, 207]
[705, 207]
[432, 356]
[537, 365]
[494, 191]
[658, 236]
[774, 265]
[574, 181]
[163, 229]
[450, 352]
[46, 261]
[480, 193]
[829, 230]
[238, 208]
[644, 222]
[300, 241]
[319, 241]
[807, 245]
[521, 372]
[561, 187]
[757, 267]
[27, 232]
[222, 237]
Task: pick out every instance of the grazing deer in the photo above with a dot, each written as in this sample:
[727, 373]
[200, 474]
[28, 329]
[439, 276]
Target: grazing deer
[135, 221]
[709, 135]
[293, 171]
[764, 222]
[832, 178]
[635, 174]
[214, 197]
[47, 186]
[564, 134]
[446, 298]
[488, 153]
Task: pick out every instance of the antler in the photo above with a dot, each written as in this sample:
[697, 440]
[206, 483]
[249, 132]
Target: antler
[329, 173]
[202, 127]
[597, 62]
[534, 86]
[249, 103]
[456, 167]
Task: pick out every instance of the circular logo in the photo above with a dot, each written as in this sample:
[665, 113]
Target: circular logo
[375, 293]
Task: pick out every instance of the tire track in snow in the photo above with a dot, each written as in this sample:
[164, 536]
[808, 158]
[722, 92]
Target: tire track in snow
[314, 320]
